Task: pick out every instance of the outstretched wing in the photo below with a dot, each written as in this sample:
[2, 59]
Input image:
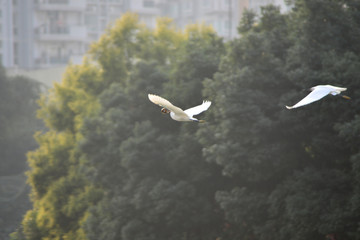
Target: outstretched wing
[198, 109]
[315, 95]
[166, 104]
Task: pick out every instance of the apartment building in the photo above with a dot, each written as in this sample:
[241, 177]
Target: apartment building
[47, 33]
[59, 31]
[41, 33]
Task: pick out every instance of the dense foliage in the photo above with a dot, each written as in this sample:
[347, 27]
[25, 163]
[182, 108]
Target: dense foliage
[18, 106]
[112, 167]
[294, 172]
[18, 122]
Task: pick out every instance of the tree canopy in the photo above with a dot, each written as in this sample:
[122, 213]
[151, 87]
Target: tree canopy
[294, 172]
[18, 106]
[112, 167]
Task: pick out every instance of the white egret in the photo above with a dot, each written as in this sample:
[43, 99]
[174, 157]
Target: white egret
[177, 113]
[317, 93]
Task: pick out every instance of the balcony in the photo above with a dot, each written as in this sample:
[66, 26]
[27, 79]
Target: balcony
[147, 11]
[59, 60]
[53, 60]
[222, 11]
[66, 33]
[216, 7]
[145, 8]
[160, 2]
[61, 5]
[115, 2]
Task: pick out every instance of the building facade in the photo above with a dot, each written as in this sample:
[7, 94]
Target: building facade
[47, 33]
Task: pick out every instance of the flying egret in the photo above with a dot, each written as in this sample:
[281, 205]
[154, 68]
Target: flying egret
[177, 113]
[317, 93]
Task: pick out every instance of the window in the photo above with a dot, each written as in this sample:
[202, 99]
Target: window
[58, 1]
[148, 4]
[188, 6]
[91, 20]
[174, 10]
[91, 8]
[227, 25]
[218, 26]
[16, 52]
[103, 10]
[207, 3]
[103, 24]
[115, 9]
[14, 18]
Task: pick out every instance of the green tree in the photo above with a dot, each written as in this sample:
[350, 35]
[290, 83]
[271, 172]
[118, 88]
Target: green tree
[18, 121]
[60, 192]
[142, 159]
[110, 166]
[18, 106]
[293, 176]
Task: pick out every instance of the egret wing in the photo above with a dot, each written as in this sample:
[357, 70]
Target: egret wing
[198, 109]
[315, 95]
[166, 104]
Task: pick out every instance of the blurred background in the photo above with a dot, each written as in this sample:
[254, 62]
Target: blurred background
[39, 37]
[84, 155]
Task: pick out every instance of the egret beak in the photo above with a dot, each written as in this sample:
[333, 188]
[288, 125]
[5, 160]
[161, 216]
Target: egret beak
[346, 97]
[201, 121]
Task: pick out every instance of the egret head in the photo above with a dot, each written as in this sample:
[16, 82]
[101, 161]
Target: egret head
[164, 110]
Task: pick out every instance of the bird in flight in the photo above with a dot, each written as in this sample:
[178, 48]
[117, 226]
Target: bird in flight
[177, 113]
[317, 93]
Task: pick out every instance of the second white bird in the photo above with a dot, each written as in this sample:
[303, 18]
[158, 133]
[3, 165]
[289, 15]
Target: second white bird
[317, 93]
